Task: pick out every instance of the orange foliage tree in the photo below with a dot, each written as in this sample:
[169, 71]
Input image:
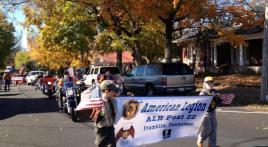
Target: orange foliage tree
[181, 16]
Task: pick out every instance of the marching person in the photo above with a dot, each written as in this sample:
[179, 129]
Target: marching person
[208, 127]
[7, 78]
[105, 118]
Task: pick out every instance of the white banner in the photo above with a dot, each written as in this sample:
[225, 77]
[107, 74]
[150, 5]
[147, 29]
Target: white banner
[145, 120]
[17, 78]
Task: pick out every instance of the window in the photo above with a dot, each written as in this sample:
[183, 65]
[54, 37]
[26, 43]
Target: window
[88, 72]
[134, 71]
[140, 71]
[92, 70]
[172, 69]
[176, 69]
[186, 70]
[112, 70]
[153, 70]
[96, 71]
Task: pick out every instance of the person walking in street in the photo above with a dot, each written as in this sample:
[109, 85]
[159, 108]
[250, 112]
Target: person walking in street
[7, 78]
[104, 129]
[208, 127]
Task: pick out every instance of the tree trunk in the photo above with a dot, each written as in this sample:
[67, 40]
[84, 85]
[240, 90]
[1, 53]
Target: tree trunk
[119, 59]
[168, 45]
[136, 54]
[264, 83]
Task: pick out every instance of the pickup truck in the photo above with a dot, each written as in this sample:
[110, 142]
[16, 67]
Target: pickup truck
[160, 78]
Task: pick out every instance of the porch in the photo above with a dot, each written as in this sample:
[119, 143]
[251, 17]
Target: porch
[221, 56]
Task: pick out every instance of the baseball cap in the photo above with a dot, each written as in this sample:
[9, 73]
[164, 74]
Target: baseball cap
[209, 78]
[108, 85]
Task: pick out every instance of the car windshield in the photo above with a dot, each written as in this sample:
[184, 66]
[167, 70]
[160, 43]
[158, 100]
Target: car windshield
[68, 85]
[36, 73]
[112, 70]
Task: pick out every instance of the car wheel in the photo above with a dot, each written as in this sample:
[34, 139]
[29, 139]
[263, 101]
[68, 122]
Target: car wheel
[65, 109]
[124, 91]
[73, 115]
[149, 90]
[93, 82]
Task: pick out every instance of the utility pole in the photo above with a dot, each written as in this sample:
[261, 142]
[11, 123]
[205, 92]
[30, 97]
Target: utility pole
[264, 78]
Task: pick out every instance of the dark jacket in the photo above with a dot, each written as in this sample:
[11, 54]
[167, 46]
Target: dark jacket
[214, 102]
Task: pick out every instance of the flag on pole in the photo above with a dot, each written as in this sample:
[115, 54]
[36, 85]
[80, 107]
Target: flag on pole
[90, 99]
[227, 98]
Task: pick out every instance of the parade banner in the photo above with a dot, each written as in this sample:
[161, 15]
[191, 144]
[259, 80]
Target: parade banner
[146, 120]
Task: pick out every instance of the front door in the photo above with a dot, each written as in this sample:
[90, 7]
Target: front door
[224, 55]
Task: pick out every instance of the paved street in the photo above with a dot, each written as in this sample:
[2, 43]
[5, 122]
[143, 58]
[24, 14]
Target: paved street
[29, 119]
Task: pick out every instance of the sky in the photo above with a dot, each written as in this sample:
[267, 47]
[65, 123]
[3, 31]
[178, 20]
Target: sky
[17, 18]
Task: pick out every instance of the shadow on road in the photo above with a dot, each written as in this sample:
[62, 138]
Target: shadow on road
[83, 116]
[10, 107]
[250, 140]
[9, 94]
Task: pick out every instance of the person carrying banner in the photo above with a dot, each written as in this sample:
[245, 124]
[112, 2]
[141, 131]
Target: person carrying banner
[208, 127]
[104, 129]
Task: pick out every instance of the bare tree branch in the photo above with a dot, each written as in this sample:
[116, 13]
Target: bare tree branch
[15, 3]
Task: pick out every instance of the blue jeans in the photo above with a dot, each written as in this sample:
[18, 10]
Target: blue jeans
[7, 85]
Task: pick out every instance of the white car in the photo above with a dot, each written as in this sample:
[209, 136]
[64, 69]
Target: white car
[32, 76]
[94, 72]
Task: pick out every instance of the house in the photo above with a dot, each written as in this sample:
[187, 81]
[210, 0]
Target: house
[220, 54]
[110, 59]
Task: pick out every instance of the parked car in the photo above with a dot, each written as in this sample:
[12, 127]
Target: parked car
[32, 76]
[160, 78]
[94, 72]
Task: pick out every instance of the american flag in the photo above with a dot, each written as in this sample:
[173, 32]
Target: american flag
[227, 98]
[90, 99]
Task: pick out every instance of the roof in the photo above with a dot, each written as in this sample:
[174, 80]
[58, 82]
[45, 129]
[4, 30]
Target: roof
[249, 31]
[213, 34]
[111, 57]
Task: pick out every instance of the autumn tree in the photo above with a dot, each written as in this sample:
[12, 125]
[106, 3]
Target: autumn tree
[64, 29]
[116, 17]
[119, 18]
[22, 58]
[182, 16]
[7, 39]
[151, 43]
